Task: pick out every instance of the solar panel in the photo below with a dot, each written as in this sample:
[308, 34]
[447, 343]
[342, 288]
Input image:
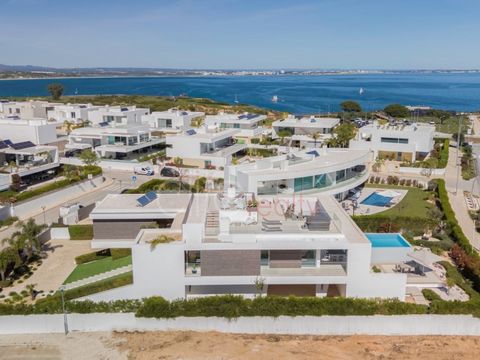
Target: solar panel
[103, 124]
[8, 142]
[143, 200]
[190, 132]
[3, 145]
[313, 152]
[151, 195]
[22, 145]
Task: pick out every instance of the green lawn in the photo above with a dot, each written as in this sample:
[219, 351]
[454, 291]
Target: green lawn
[414, 204]
[449, 126]
[97, 267]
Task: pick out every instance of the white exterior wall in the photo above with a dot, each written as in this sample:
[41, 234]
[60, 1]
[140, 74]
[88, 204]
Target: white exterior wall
[183, 146]
[420, 140]
[39, 134]
[131, 116]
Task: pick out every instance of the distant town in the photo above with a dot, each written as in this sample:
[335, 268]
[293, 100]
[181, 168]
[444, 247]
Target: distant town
[39, 72]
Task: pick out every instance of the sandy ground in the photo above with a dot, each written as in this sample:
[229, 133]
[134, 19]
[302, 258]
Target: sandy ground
[194, 345]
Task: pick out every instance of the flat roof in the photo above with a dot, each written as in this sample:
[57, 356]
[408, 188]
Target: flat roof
[313, 122]
[199, 133]
[300, 161]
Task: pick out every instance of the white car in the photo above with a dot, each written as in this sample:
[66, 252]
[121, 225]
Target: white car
[144, 171]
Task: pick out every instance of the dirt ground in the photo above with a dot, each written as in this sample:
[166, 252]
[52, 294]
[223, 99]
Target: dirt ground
[211, 345]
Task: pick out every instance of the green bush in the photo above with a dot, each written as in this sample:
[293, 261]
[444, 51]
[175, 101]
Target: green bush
[80, 232]
[8, 221]
[120, 253]
[230, 306]
[92, 256]
[431, 295]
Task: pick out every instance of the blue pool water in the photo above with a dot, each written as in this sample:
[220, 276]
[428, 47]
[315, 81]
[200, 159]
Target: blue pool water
[387, 240]
[376, 200]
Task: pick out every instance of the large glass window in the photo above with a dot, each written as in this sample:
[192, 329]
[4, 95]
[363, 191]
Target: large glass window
[322, 181]
[305, 183]
[394, 140]
[340, 175]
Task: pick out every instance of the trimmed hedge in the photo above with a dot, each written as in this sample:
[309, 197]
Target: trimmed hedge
[92, 256]
[457, 232]
[430, 295]
[8, 221]
[80, 232]
[383, 223]
[230, 306]
[120, 253]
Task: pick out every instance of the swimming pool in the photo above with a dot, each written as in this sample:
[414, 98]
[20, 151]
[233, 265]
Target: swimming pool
[376, 200]
[387, 240]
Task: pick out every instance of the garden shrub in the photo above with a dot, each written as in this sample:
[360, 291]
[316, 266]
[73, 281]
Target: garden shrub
[80, 232]
[92, 256]
[120, 253]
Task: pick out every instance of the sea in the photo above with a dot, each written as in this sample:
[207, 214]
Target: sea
[299, 94]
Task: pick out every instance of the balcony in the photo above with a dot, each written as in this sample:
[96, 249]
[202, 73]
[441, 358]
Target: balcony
[323, 270]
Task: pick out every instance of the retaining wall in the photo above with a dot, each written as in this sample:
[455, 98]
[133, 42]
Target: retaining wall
[302, 325]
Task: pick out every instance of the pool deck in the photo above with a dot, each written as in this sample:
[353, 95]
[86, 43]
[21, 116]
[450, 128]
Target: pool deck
[363, 209]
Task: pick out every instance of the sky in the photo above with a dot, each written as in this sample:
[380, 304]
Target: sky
[242, 34]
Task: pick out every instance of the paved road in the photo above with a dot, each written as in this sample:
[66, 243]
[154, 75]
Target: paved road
[118, 181]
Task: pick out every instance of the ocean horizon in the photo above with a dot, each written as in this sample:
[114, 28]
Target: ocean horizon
[298, 94]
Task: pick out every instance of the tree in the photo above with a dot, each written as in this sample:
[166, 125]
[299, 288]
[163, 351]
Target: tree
[55, 90]
[442, 115]
[68, 125]
[342, 134]
[26, 239]
[282, 134]
[259, 285]
[315, 136]
[351, 106]
[397, 111]
[89, 157]
[7, 257]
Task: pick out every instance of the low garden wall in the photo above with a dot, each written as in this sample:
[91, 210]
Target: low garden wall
[300, 325]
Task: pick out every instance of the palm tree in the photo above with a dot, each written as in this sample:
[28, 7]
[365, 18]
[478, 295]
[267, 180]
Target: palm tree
[162, 239]
[7, 257]
[315, 136]
[68, 126]
[26, 240]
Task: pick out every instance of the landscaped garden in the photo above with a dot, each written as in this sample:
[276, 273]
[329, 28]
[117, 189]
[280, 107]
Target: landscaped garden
[96, 267]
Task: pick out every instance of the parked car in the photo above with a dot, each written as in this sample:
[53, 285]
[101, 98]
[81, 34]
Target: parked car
[144, 171]
[169, 172]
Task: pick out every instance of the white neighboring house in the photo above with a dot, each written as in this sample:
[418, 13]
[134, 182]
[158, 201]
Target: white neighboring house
[37, 131]
[204, 147]
[28, 109]
[219, 245]
[120, 115]
[75, 113]
[323, 171]
[396, 142]
[305, 128]
[247, 124]
[114, 142]
[31, 162]
[172, 120]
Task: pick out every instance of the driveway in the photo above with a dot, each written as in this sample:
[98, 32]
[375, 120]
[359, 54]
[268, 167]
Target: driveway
[57, 265]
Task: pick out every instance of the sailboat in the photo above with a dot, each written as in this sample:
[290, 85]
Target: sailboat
[236, 99]
[361, 91]
[274, 98]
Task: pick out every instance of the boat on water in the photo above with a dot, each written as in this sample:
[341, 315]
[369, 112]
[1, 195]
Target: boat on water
[236, 99]
[274, 98]
[361, 91]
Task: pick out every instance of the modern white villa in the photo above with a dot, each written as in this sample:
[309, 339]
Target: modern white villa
[326, 171]
[305, 131]
[204, 147]
[37, 131]
[396, 142]
[120, 115]
[115, 142]
[172, 120]
[27, 109]
[249, 125]
[236, 243]
[75, 113]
